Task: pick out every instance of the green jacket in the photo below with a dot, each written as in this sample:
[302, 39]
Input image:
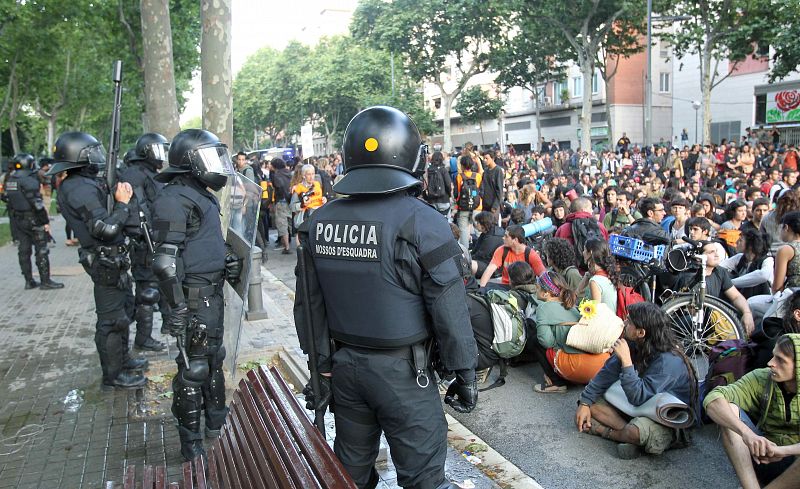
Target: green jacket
[749, 392]
[549, 332]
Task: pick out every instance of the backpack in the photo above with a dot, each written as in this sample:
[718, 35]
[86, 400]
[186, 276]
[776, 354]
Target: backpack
[267, 193]
[508, 321]
[436, 187]
[469, 197]
[728, 361]
[584, 229]
[506, 251]
[625, 297]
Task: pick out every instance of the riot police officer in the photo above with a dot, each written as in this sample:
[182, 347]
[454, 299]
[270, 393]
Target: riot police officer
[190, 263]
[31, 221]
[82, 199]
[143, 163]
[384, 277]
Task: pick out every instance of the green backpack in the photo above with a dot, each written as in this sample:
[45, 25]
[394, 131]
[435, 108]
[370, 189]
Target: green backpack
[508, 321]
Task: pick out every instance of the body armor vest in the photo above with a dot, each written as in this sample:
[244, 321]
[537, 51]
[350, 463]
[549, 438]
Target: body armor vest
[21, 189]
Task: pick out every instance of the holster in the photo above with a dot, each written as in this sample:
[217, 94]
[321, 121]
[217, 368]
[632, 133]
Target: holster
[106, 264]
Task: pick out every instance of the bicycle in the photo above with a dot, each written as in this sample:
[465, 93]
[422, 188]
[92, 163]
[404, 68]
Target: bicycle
[698, 321]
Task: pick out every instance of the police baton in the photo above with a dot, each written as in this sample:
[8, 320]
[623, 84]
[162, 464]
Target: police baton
[113, 145]
[319, 414]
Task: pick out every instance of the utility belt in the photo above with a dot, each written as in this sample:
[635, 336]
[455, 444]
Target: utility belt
[107, 265]
[21, 214]
[419, 354]
[199, 295]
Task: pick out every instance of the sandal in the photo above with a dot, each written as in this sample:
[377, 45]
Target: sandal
[549, 389]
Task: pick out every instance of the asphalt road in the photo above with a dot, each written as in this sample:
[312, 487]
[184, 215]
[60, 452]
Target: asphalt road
[536, 432]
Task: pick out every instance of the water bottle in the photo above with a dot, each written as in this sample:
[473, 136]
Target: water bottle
[537, 227]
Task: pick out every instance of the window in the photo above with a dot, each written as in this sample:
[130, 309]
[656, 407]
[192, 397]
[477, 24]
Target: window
[762, 50]
[663, 48]
[558, 90]
[730, 130]
[663, 83]
[437, 103]
[577, 86]
[595, 84]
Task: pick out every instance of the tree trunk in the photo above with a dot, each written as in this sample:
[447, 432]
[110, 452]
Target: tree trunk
[447, 100]
[706, 91]
[608, 121]
[161, 103]
[538, 121]
[12, 129]
[51, 134]
[587, 68]
[215, 67]
[480, 126]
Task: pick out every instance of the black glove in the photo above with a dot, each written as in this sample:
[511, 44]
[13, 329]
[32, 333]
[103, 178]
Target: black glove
[462, 395]
[177, 321]
[312, 403]
[233, 265]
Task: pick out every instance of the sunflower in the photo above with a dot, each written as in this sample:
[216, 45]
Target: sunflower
[588, 308]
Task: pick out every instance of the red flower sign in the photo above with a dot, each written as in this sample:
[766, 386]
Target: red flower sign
[787, 100]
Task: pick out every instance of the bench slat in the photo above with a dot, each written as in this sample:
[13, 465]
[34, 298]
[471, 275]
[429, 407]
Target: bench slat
[213, 477]
[200, 474]
[248, 450]
[186, 470]
[279, 429]
[147, 477]
[160, 478]
[223, 471]
[264, 451]
[130, 477]
[232, 455]
[323, 461]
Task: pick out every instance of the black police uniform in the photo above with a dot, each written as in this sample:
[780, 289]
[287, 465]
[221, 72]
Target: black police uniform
[140, 175]
[102, 252]
[29, 218]
[385, 280]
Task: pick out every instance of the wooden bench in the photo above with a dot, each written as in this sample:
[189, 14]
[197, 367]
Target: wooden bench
[267, 442]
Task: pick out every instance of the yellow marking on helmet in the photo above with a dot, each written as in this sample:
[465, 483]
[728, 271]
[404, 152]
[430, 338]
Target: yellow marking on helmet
[371, 144]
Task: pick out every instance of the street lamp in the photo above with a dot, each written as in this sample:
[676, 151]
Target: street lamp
[696, 106]
[648, 94]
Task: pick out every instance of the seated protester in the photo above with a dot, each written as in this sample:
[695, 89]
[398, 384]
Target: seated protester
[648, 228]
[483, 248]
[699, 229]
[752, 268]
[600, 280]
[679, 208]
[709, 203]
[736, 213]
[787, 269]
[775, 327]
[759, 416]
[788, 201]
[513, 249]
[517, 216]
[580, 208]
[621, 216]
[647, 362]
[555, 315]
[719, 284]
[558, 213]
[560, 257]
[521, 277]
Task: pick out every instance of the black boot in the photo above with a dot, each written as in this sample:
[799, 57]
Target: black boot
[27, 272]
[30, 283]
[192, 449]
[136, 364]
[144, 330]
[125, 380]
[43, 264]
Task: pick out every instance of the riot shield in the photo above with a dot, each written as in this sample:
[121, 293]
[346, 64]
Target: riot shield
[240, 202]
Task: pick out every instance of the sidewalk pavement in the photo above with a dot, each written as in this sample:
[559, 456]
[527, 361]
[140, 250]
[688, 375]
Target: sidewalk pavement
[59, 430]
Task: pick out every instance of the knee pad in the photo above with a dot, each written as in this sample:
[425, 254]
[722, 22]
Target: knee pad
[121, 325]
[42, 252]
[197, 372]
[147, 295]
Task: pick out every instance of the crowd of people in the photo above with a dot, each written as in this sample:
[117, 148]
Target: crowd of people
[739, 200]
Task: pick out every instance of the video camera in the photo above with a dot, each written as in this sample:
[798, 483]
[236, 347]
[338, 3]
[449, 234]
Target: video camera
[306, 195]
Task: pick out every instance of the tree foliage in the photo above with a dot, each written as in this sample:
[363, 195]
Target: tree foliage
[429, 36]
[275, 92]
[56, 58]
[475, 105]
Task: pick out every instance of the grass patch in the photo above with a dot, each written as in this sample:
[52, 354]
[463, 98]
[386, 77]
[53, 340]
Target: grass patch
[5, 233]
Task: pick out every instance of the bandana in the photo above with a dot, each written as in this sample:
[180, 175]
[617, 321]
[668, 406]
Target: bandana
[544, 281]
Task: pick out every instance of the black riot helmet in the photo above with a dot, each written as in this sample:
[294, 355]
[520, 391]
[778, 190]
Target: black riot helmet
[200, 153]
[130, 157]
[382, 153]
[76, 150]
[153, 148]
[24, 161]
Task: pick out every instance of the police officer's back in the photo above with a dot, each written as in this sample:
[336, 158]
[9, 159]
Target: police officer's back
[30, 219]
[82, 199]
[386, 282]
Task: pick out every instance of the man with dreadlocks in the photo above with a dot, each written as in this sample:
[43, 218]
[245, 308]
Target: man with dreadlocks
[646, 362]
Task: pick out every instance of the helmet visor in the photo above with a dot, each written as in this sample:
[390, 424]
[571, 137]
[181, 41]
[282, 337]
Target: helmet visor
[157, 151]
[95, 155]
[214, 159]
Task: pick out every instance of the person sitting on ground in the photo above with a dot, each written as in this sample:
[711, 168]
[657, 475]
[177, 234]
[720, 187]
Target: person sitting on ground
[648, 228]
[752, 269]
[775, 327]
[513, 249]
[560, 257]
[580, 208]
[555, 315]
[647, 362]
[600, 281]
[621, 215]
[763, 453]
[483, 248]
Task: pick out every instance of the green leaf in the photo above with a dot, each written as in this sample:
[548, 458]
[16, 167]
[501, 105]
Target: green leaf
[774, 115]
[793, 115]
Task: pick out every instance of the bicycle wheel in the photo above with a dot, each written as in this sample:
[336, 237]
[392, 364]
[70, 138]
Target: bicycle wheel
[697, 331]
